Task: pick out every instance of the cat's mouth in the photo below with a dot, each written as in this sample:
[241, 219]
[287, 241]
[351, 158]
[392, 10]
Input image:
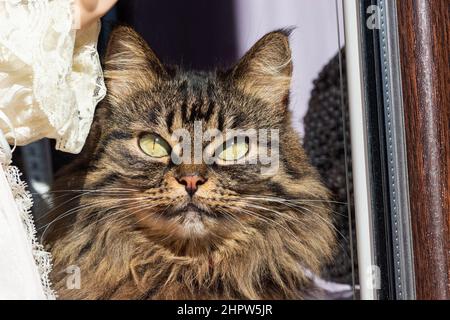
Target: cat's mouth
[190, 211]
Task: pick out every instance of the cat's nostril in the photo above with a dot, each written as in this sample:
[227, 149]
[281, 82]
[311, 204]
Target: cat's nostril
[191, 183]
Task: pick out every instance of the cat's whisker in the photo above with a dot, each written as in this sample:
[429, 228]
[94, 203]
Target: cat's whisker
[230, 215]
[293, 200]
[300, 204]
[268, 220]
[109, 189]
[123, 203]
[332, 226]
[78, 208]
[50, 197]
[293, 218]
[64, 215]
[295, 236]
[159, 213]
[305, 207]
[82, 192]
[287, 216]
[312, 212]
[82, 207]
[297, 203]
[103, 211]
[140, 207]
[60, 205]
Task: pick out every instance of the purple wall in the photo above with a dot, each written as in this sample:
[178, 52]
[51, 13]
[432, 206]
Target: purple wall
[203, 34]
[198, 34]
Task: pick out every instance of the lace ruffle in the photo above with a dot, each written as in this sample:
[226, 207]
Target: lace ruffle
[37, 40]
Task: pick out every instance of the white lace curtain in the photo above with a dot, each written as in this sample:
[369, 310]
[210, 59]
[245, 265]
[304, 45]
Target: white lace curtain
[50, 83]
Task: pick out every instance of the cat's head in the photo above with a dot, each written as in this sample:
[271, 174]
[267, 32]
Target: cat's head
[250, 186]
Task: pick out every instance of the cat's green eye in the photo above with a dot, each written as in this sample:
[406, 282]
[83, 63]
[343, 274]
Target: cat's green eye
[154, 145]
[234, 151]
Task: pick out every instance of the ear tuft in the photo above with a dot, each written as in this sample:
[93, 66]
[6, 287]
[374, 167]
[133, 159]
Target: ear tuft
[130, 64]
[266, 69]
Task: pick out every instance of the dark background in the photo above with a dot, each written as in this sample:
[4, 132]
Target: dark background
[196, 34]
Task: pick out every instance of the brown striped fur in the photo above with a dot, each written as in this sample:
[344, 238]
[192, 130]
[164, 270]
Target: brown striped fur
[115, 207]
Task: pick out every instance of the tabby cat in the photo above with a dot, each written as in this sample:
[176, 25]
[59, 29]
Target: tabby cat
[140, 226]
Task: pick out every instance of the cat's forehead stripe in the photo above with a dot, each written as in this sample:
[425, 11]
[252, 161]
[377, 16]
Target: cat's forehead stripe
[198, 99]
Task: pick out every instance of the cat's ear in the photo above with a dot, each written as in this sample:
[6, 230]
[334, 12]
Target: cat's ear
[130, 64]
[266, 69]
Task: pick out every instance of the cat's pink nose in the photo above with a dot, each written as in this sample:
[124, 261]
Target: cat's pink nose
[191, 183]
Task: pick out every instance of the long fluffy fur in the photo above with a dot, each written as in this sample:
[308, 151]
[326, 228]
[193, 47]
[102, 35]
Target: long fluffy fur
[110, 216]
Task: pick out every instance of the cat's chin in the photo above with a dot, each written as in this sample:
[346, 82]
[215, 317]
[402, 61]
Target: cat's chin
[192, 222]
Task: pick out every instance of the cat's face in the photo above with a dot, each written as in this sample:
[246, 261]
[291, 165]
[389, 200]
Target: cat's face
[205, 201]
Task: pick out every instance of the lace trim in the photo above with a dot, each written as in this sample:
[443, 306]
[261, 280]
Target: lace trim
[24, 203]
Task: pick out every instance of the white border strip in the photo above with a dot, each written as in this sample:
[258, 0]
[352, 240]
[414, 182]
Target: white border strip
[359, 152]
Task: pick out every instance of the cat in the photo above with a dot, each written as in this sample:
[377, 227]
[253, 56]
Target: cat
[136, 225]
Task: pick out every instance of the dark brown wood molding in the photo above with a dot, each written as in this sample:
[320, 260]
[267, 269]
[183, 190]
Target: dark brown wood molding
[424, 38]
